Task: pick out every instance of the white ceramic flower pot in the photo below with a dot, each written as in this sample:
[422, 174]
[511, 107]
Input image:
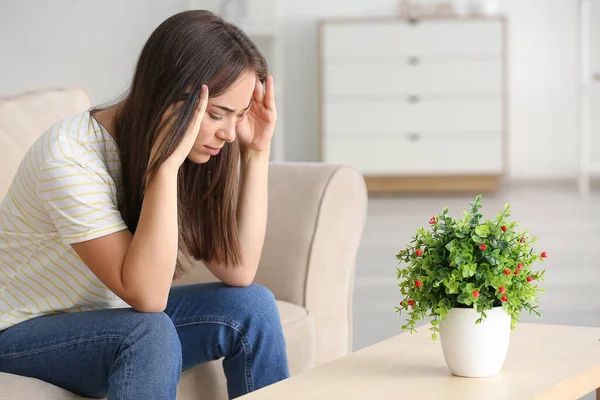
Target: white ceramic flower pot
[475, 350]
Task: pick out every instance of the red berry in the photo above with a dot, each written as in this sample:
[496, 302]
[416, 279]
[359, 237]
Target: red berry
[419, 252]
[504, 299]
[529, 279]
[401, 304]
[517, 272]
[476, 294]
[502, 289]
[418, 283]
[411, 303]
[543, 255]
[520, 266]
[503, 227]
[432, 220]
[522, 239]
[482, 247]
[507, 271]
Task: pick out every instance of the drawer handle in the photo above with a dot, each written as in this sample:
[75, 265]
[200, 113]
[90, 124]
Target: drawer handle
[414, 136]
[413, 60]
[413, 99]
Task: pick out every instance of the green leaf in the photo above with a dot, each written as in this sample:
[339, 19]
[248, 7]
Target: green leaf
[466, 300]
[469, 270]
[457, 275]
[482, 231]
[452, 288]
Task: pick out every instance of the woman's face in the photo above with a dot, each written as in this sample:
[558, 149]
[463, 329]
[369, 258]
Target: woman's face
[222, 115]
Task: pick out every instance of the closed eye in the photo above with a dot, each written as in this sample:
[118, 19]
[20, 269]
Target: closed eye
[215, 117]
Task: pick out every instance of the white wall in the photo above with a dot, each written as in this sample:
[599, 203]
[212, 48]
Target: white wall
[543, 44]
[543, 78]
[93, 44]
[96, 43]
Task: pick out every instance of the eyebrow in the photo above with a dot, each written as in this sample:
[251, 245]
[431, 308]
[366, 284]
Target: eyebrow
[229, 110]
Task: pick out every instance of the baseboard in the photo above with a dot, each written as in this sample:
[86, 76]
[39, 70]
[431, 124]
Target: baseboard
[433, 184]
[564, 183]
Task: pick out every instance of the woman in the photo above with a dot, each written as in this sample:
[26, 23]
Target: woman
[105, 202]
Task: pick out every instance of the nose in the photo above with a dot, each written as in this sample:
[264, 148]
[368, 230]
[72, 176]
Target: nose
[227, 134]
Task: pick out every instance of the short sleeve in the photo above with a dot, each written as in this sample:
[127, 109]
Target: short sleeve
[81, 202]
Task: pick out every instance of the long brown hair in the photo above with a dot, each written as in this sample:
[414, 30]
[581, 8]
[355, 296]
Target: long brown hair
[185, 51]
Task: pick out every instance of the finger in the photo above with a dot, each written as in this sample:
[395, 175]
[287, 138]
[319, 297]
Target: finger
[258, 92]
[270, 94]
[200, 108]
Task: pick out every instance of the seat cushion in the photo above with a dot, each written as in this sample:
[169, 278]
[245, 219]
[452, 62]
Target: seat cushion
[206, 381]
[24, 117]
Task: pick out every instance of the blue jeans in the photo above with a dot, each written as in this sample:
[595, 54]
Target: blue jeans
[125, 354]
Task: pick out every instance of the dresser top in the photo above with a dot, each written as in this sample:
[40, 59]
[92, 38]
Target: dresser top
[414, 20]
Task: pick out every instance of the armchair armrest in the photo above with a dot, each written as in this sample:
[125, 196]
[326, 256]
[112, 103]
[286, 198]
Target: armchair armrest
[315, 222]
[316, 217]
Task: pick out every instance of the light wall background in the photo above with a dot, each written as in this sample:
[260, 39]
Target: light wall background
[95, 44]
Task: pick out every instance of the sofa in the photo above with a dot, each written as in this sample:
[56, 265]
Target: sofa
[316, 217]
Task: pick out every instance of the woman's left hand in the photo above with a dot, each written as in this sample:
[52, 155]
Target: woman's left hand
[256, 130]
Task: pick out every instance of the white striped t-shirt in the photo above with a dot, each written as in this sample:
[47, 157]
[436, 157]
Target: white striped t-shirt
[63, 192]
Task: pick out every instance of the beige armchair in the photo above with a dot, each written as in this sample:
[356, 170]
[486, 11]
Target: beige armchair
[315, 222]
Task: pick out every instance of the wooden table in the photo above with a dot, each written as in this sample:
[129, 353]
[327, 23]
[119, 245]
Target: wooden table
[543, 362]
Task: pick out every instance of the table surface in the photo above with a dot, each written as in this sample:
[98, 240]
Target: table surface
[543, 362]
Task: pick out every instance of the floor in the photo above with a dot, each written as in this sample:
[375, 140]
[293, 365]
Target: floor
[567, 227]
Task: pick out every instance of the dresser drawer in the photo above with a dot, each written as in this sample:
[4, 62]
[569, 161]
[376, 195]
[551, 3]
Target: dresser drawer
[399, 38]
[435, 78]
[384, 118]
[430, 155]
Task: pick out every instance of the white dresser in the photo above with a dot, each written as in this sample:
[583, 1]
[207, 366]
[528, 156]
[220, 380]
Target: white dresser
[589, 94]
[415, 105]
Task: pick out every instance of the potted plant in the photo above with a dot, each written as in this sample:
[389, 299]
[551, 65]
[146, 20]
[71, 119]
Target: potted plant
[473, 278]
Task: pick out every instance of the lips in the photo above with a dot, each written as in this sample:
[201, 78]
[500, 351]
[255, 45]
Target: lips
[213, 151]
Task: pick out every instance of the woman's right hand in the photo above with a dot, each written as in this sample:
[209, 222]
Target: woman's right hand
[175, 160]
